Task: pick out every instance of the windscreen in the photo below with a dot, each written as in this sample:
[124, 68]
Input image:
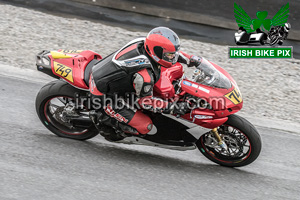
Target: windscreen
[207, 74]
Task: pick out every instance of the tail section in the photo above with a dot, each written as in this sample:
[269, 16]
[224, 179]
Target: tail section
[69, 65]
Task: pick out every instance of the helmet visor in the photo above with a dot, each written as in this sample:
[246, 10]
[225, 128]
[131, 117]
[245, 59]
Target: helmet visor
[170, 56]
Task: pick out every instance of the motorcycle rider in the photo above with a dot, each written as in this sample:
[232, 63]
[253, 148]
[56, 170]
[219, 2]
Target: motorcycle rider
[279, 32]
[135, 68]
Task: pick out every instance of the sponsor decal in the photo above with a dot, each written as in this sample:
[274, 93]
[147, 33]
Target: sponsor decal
[71, 51]
[187, 83]
[108, 110]
[63, 70]
[196, 86]
[136, 62]
[203, 89]
[203, 117]
[234, 96]
[155, 58]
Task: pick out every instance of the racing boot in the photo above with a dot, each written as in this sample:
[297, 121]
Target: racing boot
[128, 130]
[110, 128]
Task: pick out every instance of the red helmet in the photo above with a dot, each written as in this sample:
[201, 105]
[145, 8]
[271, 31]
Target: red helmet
[163, 44]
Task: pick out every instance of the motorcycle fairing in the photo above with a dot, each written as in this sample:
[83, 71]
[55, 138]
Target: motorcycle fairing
[58, 55]
[220, 108]
[173, 131]
[170, 133]
[209, 117]
[206, 123]
[71, 65]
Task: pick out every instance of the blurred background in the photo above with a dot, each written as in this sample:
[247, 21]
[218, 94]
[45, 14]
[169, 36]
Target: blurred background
[210, 21]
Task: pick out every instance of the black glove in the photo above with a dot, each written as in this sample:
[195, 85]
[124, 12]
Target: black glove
[195, 61]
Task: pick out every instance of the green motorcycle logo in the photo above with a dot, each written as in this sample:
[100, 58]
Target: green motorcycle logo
[251, 25]
[262, 30]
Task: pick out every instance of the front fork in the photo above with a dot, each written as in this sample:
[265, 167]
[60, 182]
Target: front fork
[221, 143]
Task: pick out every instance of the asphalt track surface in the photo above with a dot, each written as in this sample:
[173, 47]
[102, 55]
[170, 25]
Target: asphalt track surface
[36, 164]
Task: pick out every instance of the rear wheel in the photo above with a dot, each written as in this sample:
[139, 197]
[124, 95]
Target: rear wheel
[241, 138]
[261, 41]
[50, 106]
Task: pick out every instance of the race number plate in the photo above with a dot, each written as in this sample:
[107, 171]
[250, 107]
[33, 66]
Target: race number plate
[234, 96]
[64, 71]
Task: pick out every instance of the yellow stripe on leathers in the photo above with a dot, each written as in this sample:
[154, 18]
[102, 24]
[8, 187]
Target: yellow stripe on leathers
[58, 55]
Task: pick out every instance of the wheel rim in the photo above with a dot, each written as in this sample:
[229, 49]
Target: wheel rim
[239, 146]
[53, 112]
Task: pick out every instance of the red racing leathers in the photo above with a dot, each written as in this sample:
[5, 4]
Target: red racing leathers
[131, 70]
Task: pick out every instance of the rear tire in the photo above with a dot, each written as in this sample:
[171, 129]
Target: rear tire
[244, 130]
[60, 89]
[261, 41]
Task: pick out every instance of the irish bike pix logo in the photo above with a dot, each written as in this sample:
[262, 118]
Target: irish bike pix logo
[260, 31]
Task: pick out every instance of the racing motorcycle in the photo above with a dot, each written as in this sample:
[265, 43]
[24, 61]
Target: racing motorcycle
[210, 125]
[278, 33]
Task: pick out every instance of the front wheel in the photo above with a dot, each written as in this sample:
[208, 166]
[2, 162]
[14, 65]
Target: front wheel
[241, 138]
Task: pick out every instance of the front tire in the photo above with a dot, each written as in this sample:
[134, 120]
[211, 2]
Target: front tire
[62, 91]
[242, 139]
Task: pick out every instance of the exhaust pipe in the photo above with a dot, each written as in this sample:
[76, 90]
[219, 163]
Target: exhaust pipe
[82, 122]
